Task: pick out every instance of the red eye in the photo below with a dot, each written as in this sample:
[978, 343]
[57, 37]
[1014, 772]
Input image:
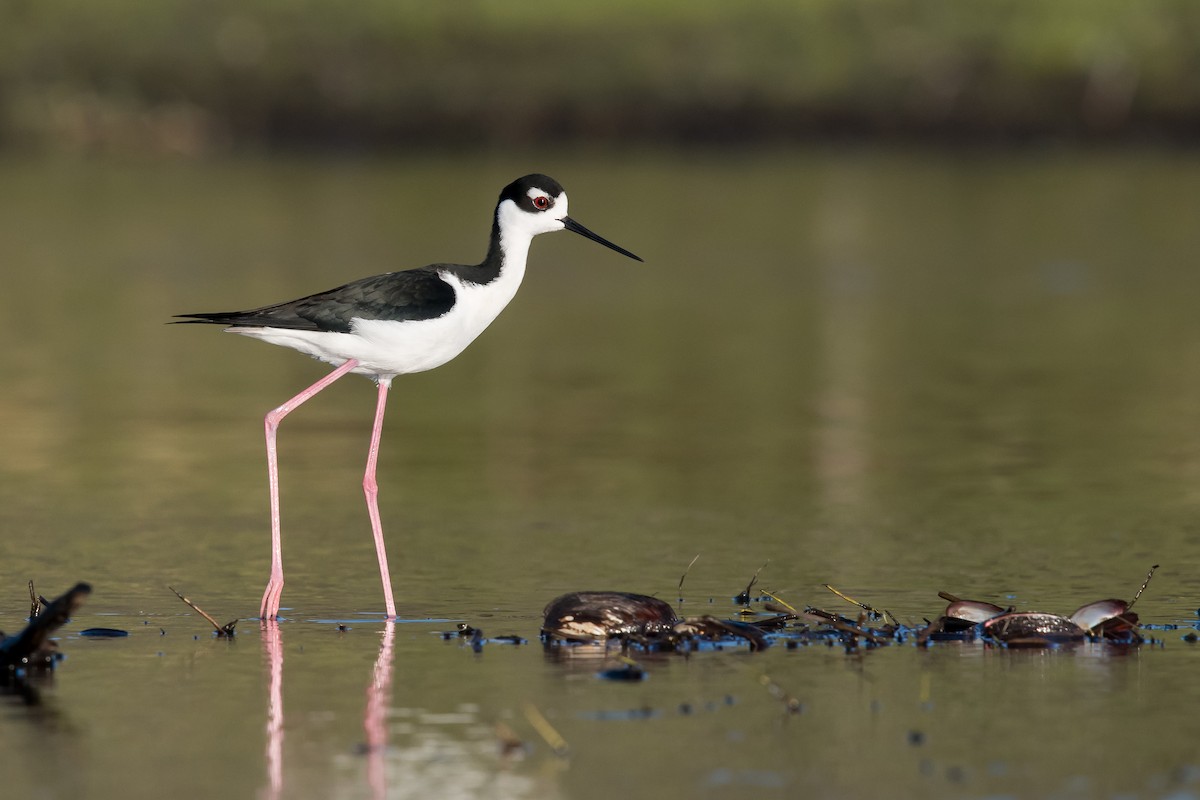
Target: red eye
[541, 203]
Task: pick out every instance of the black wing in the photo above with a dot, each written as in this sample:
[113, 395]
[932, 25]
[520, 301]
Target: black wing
[413, 294]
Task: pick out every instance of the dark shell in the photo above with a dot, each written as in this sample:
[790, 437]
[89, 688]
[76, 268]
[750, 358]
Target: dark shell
[589, 616]
[1032, 628]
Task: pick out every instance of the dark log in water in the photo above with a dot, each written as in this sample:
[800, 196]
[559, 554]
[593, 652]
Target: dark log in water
[32, 648]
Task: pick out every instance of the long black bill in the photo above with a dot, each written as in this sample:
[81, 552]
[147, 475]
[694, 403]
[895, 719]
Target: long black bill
[575, 227]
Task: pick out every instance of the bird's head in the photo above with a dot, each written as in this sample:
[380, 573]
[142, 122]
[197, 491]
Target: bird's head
[538, 204]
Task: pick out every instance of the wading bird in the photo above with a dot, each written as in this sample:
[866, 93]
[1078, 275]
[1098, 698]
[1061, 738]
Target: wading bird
[396, 323]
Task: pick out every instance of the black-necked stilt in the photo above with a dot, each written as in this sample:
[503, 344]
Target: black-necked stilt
[397, 323]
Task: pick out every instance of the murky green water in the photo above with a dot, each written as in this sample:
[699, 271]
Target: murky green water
[893, 372]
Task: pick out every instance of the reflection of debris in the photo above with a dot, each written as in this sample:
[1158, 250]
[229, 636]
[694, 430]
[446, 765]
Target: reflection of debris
[511, 745]
[225, 630]
[793, 705]
[629, 670]
[31, 650]
[540, 724]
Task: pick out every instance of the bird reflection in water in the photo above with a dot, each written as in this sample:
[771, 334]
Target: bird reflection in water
[374, 717]
[379, 694]
[273, 649]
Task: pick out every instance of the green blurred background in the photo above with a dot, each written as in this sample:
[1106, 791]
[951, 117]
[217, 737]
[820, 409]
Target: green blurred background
[197, 76]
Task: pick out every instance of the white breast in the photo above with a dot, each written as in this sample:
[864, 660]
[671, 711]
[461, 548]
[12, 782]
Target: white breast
[386, 348]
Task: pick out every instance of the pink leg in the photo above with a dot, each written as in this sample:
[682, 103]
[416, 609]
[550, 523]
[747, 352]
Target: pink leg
[270, 599]
[371, 489]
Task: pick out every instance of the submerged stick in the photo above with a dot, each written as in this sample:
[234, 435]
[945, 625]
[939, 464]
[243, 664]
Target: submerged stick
[222, 630]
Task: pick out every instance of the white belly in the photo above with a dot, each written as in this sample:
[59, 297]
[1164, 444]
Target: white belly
[386, 348]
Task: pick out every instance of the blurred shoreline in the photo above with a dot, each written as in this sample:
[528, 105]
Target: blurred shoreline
[198, 78]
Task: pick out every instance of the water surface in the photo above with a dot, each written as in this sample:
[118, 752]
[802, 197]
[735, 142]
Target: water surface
[896, 372]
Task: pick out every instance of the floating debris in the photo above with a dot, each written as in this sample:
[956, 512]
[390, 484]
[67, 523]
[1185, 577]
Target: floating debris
[743, 599]
[711, 628]
[225, 631]
[36, 602]
[1103, 620]
[462, 631]
[104, 633]
[31, 650]
[627, 620]
[778, 605]
[873, 612]
[510, 638]
[646, 622]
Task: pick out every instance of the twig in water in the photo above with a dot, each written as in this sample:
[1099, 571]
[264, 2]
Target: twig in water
[840, 623]
[222, 630]
[685, 572]
[1145, 583]
[885, 615]
[35, 602]
[781, 601]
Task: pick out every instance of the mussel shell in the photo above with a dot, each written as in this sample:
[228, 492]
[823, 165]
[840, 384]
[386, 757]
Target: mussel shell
[591, 616]
[1032, 628]
[1095, 614]
[973, 611]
